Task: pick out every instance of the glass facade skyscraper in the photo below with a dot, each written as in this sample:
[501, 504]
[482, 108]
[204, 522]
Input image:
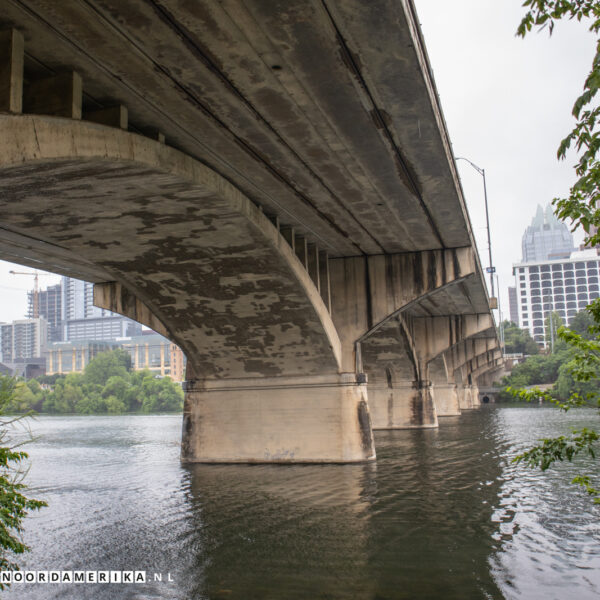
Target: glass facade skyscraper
[546, 238]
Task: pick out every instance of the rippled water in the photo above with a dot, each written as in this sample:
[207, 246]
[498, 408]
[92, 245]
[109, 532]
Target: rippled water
[443, 514]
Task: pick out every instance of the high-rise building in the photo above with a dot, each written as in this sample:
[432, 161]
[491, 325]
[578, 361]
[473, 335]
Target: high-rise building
[23, 339]
[105, 328]
[564, 286]
[546, 238]
[81, 320]
[78, 300]
[50, 307]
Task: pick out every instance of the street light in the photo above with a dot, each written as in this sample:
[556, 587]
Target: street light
[487, 218]
[500, 316]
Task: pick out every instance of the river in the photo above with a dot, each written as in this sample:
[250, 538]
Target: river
[443, 514]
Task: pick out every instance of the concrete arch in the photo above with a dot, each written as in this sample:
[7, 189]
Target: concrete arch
[174, 241]
[205, 261]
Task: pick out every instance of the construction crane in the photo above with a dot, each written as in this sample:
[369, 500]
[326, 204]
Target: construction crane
[36, 289]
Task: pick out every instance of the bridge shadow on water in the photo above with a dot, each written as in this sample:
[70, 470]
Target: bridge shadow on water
[416, 524]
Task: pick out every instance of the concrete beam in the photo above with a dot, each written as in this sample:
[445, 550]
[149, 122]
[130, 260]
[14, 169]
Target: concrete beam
[464, 351]
[434, 335]
[11, 70]
[367, 292]
[116, 298]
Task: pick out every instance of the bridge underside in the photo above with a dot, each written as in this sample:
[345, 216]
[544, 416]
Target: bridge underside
[306, 244]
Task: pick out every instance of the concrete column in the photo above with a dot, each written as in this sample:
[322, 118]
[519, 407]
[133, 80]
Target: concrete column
[301, 248]
[60, 361]
[324, 280]
[11, 71]
[277, 419]
[313, 264]
[407, 405]
[288, 235]
[465, 397]
[162, 359]
[446, 399]
[147, 356]
[136, 358]
[50, 366]
[475, 396]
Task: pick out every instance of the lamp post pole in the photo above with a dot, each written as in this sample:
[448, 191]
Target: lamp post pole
[487, 218]
[500, 316]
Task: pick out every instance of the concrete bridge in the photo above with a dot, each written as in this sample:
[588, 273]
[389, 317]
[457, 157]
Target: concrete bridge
[268, 184]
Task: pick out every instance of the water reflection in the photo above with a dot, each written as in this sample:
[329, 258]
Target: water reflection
[442, 514]
[281, 531]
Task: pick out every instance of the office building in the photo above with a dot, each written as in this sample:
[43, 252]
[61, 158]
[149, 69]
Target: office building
[81, 320]
[23, 339]
[72, 357]
[50, 307]
[563, 285]
[546, 238]
[151, 351]
[106, 328]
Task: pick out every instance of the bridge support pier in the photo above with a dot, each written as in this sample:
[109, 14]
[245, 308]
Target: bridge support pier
[468, 396]
[407, 405]
[446, 398]
[318, 419]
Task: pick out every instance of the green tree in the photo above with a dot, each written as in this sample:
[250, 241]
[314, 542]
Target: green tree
[116, 386]
[105, 387]
[115, 406]
[106, 365]
[517, 340]
[582, 209]
[90, 403]
[160, 395]
[14, 505]
[581, 324]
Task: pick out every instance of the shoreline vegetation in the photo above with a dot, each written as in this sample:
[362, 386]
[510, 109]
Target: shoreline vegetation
[107, 386]
[555, 367]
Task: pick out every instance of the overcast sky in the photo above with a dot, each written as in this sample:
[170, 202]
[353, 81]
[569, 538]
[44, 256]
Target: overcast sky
[507, 104]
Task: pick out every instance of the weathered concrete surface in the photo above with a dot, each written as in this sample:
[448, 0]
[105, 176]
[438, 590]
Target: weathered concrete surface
[325, 113]
[205, 261]
[323, 117]
[409, 352]
[405, 405]
[279, 419]
[185, 249]
[446, 399]
[468, 397]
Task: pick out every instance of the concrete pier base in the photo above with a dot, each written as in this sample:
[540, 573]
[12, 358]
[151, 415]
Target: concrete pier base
[277, 420]
[468, 396]
[408, 405]
[445, 397]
